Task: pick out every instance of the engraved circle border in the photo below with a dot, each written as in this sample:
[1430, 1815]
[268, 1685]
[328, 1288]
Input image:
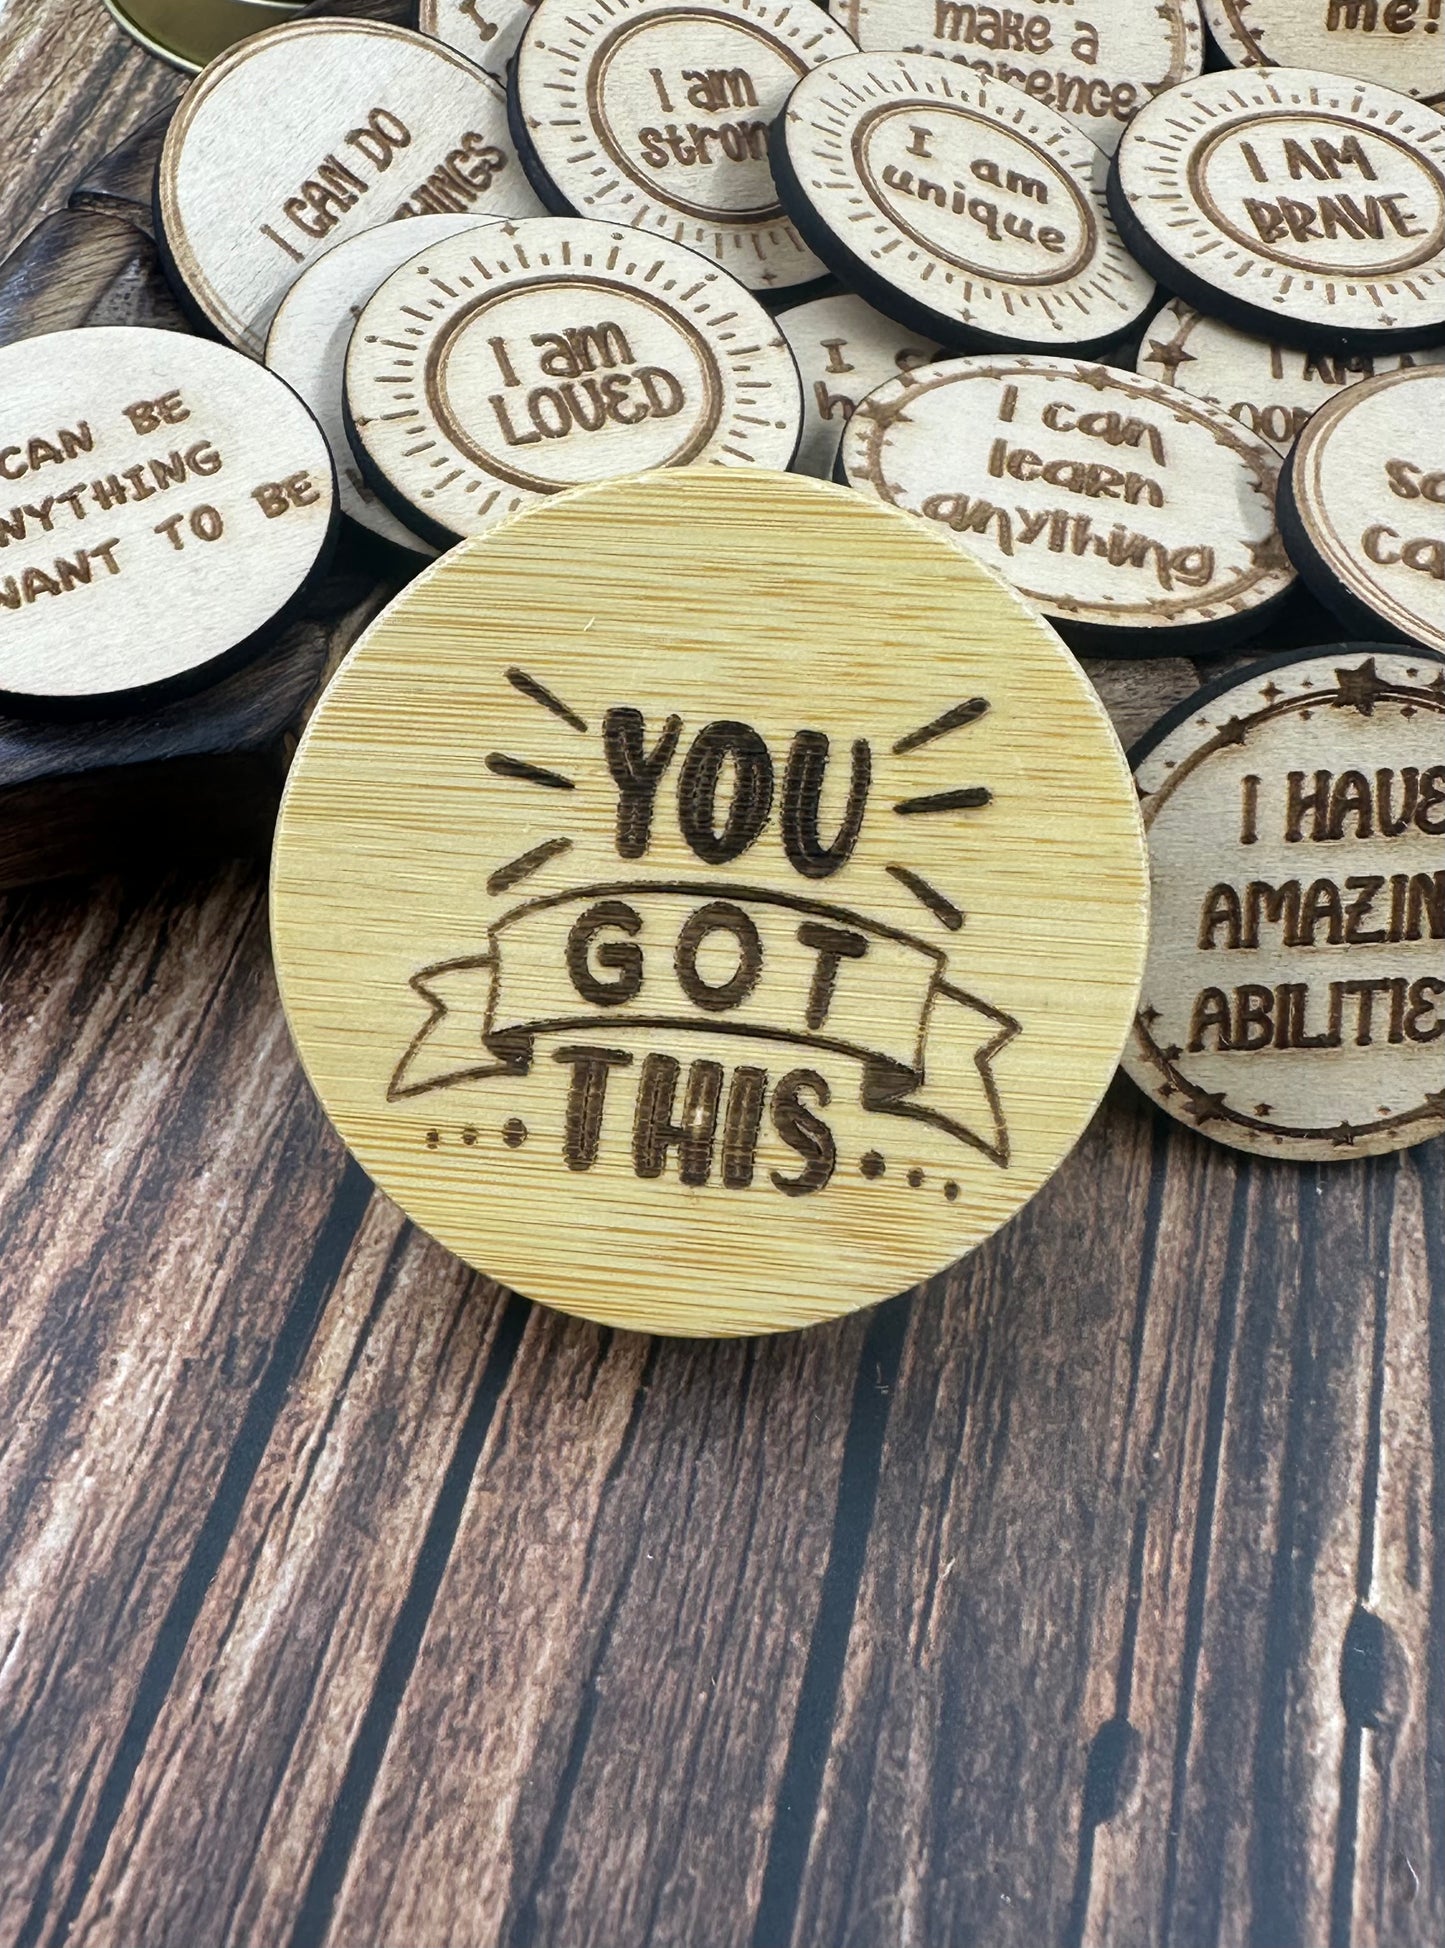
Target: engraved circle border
[1197, 165]
[858, 149]
[435, 375]
[1228, 735]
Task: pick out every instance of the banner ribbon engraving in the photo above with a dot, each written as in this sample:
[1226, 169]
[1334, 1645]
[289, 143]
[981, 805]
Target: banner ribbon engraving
[733, 960]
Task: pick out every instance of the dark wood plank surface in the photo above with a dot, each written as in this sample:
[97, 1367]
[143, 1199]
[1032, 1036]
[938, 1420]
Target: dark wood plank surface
[1093, 1594]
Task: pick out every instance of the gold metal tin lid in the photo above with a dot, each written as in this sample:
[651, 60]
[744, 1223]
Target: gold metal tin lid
[188, 33]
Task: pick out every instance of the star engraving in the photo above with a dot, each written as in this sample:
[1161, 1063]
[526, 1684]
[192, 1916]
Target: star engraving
[1269, 553]
[1206, 1106]
[1360, 689]
[1170, 355]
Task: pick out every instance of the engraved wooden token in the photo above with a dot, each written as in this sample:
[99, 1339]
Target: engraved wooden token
[1094, 65]
[303, 136]
[1293, 204]
[844, 349]
[486, 31]
[166, 503]
[955, 207]
[1397, 43]
[1271, 389]
[655, 114]
[691, 948]
[309, 335]
[1119, 506]
[1362, 504]
[500, 368]
[1294, 1002]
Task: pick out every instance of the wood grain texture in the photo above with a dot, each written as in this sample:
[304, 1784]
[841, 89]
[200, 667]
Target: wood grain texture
[1094, 1594]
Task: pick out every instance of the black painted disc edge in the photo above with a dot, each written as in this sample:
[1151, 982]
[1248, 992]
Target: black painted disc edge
[1317, 575]
[1274, 327]
[200, 676]
[1149, 741]
[390, 496]
[866, 283]
[1161, 639]
[543, 188]
[549, 194]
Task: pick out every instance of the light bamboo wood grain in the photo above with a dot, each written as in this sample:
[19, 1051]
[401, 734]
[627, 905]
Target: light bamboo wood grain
[452, 840]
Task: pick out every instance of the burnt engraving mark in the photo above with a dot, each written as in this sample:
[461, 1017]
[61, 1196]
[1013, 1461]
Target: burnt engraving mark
[968, 798]
[960, 715]
[525, 864]
[531, 687]
[526, 772]
[939, 905]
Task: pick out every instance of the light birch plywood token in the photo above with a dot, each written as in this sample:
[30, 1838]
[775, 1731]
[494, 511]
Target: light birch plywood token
[497, 369]
[709, 903]
[1293, 204]
[655, 114]
[1271, 389]
[1362, 505]
[1294, 1001]
[955, 206]
[486, 31]
[1397, 43]
[307, 343]
[1127, 510]
[844, 348]
[188, 33]
[299, 138]
[1094, 65]
[166, 503]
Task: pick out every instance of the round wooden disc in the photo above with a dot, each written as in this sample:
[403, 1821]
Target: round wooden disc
[1294, 1002]
[1117, 505]
[1271, 389]
[1362, 504]
[844, 349]
[300, 138]
[734, 922]
[1095, 72]
[655, 114]
[166, 503]
[497, 369]
[486, 31]
[307, 343]
[1293, 204]
[954, 208]
[1388, 44]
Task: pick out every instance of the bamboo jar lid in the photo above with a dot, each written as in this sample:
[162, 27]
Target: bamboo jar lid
[710, 902]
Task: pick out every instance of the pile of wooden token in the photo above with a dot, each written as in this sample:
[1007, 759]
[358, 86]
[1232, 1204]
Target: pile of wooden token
[1164, 348]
